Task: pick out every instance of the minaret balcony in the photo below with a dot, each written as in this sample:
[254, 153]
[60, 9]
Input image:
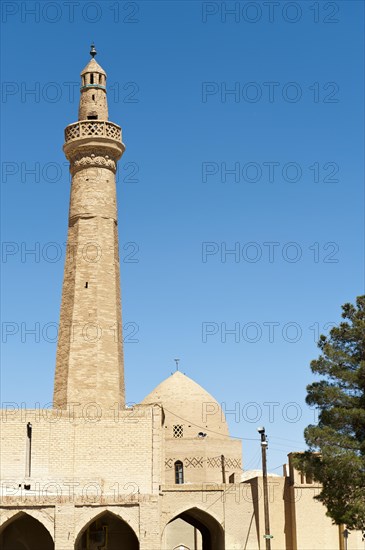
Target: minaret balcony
[91, 128]
[95, 136]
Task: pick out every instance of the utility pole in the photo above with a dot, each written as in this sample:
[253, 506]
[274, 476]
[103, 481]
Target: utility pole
[267, 535]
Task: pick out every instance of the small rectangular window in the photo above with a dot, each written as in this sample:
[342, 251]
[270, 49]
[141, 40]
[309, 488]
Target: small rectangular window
[179, 472]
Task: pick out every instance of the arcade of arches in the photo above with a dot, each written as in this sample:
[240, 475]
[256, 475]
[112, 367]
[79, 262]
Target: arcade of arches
[190, 530]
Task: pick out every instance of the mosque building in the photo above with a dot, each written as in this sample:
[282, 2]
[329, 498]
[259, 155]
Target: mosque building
[165, 474]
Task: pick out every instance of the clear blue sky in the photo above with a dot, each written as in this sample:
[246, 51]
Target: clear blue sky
[293, 131]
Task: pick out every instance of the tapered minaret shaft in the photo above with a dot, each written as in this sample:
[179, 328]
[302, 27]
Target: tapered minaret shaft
[89, 363]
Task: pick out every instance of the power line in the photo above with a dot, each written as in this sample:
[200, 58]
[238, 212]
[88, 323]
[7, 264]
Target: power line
[230, 436]
[207, 429]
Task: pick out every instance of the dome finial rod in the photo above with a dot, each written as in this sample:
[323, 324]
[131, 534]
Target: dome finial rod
[93, 51]
[177, 363]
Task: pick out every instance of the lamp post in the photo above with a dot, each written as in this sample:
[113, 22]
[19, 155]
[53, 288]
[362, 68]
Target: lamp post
[267, 535]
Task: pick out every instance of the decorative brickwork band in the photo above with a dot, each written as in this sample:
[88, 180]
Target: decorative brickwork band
[193, 462]
[95, 159]
[189, 462]
[197, 462]
[216, 462]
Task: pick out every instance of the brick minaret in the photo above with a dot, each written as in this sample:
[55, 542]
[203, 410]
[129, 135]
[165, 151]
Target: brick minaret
[89, 363]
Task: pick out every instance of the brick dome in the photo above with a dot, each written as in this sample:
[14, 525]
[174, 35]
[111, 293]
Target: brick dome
[188, 407]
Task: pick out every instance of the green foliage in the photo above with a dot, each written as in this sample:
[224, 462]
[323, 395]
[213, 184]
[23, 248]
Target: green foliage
[336, 456]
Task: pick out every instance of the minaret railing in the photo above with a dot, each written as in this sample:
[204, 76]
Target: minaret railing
[88, 128]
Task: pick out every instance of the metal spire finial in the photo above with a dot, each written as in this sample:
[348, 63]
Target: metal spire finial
[93, 51]
[177, 363]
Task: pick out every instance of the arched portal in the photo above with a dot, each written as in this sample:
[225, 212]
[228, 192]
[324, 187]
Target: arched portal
[23, 532]
[107, 532]
[193, 529]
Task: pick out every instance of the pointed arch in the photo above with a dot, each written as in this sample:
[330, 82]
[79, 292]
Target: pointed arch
[210, 514]
[23, 531]
[40, 515]
[108, 525]
[210, 529]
